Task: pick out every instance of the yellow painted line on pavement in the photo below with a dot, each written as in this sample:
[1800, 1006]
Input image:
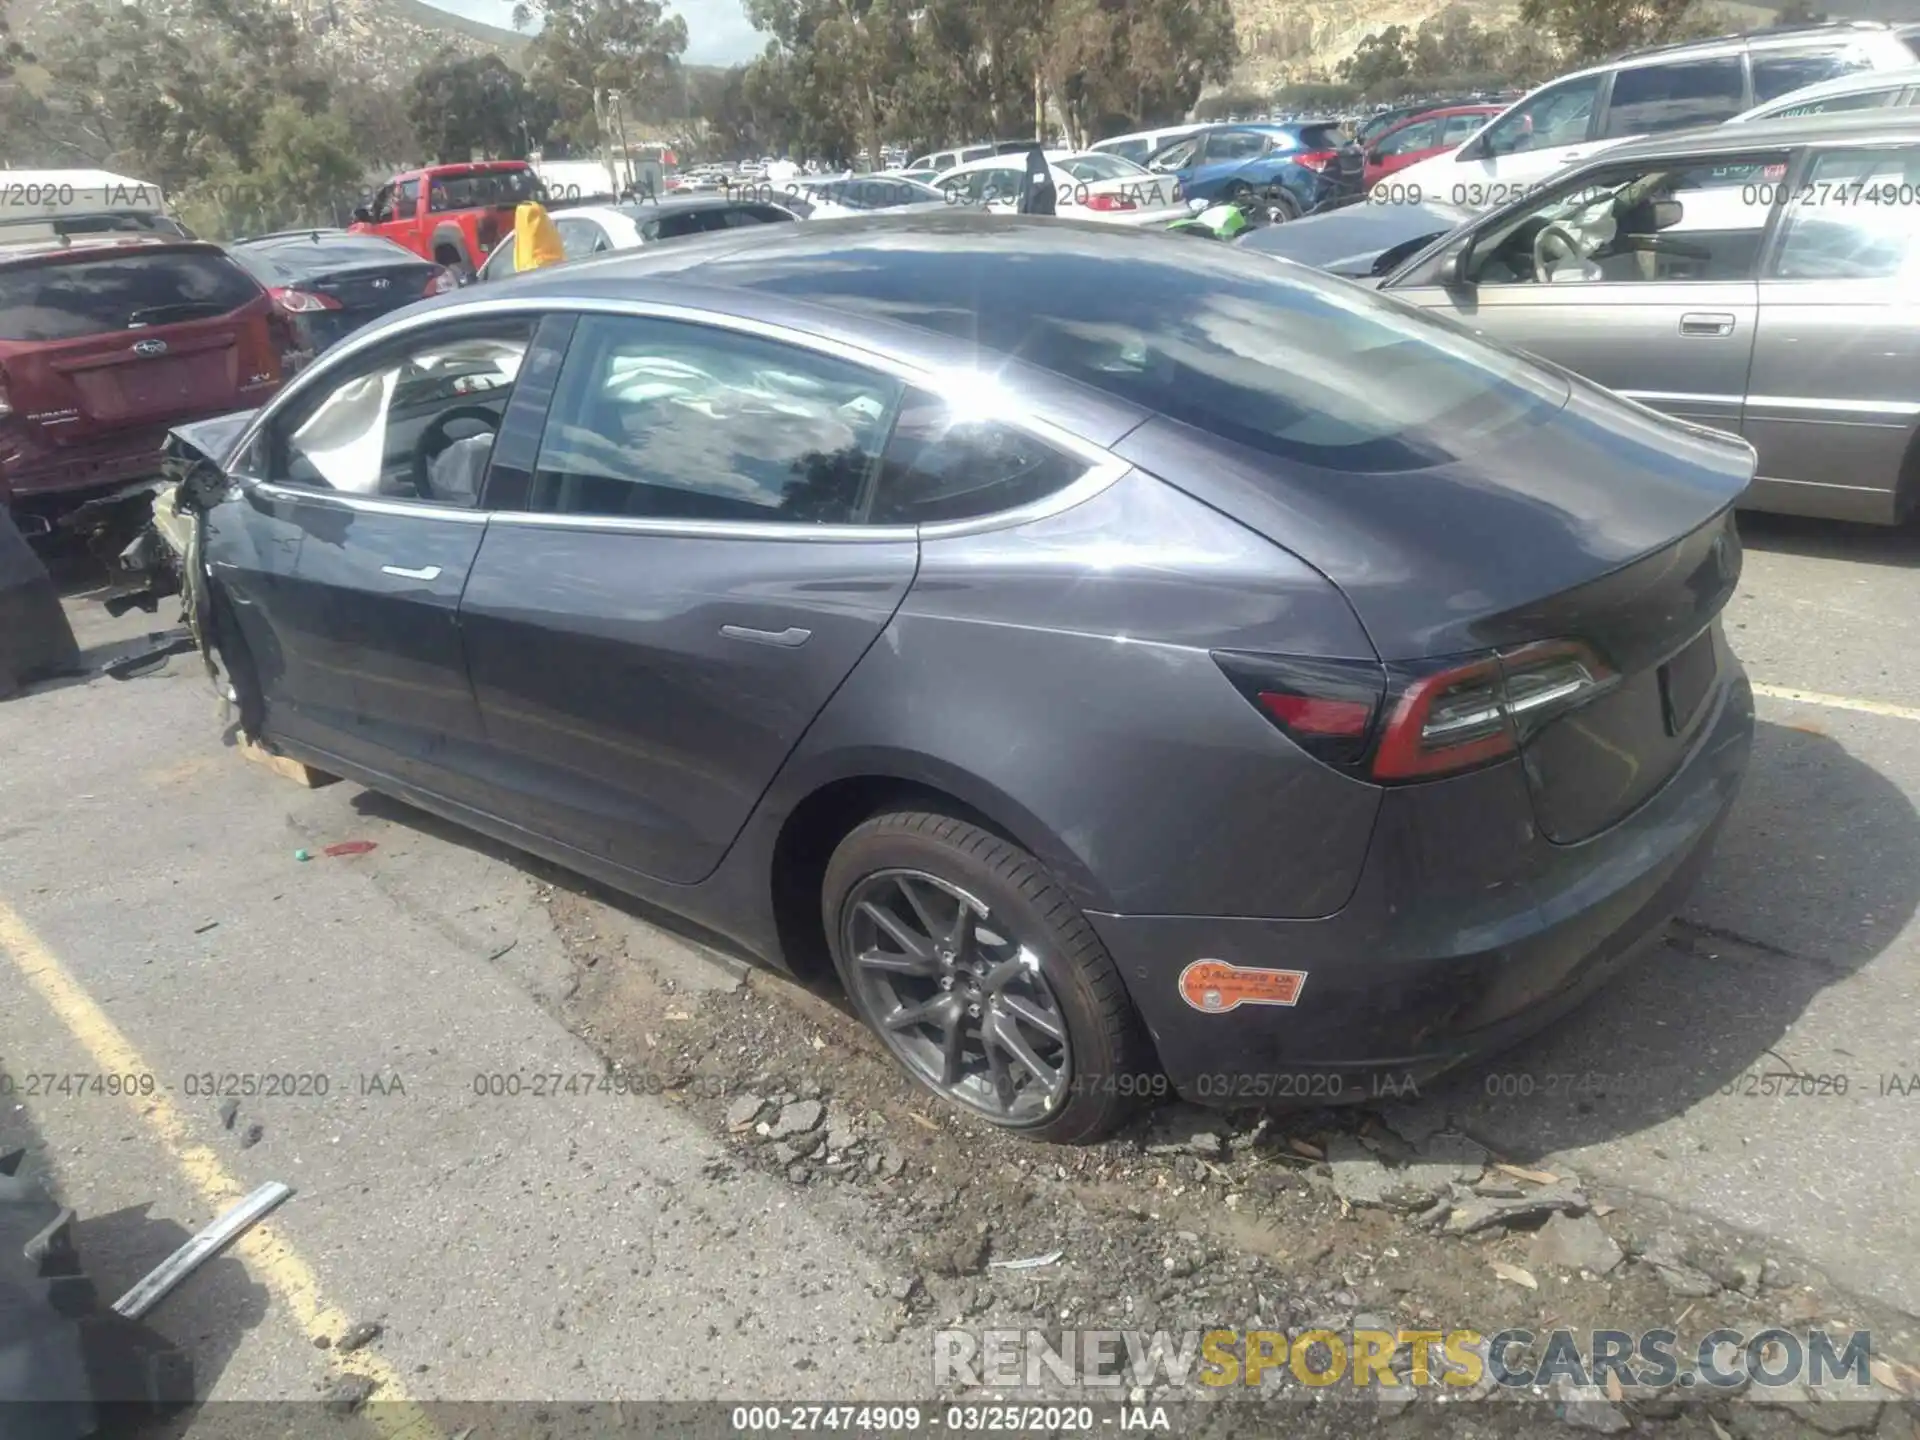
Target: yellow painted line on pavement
[1838, 702]
[268, 1255]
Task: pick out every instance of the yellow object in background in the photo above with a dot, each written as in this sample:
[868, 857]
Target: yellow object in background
[536, 240]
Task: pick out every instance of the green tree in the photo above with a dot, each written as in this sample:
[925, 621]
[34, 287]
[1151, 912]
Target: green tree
[1590, 30]
[1381, 57]
[592, 55]
[12, 52]
[459, 105]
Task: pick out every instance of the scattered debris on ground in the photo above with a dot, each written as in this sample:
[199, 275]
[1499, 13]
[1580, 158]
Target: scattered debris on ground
[1197, 1219]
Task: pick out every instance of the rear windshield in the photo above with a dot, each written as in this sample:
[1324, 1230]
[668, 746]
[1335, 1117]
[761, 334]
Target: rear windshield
[1271, 355]
[1094, 168]
[878, 193]
[1322, 137]
[64, 300]
[295, 259]
[468, 192]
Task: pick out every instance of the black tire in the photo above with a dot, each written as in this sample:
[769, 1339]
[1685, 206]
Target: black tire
[1281, 207]
[1110, 1062]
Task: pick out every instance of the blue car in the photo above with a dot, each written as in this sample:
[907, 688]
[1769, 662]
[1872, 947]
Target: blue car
[1298, 168]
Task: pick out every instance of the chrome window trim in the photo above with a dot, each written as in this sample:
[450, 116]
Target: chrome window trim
[370, 504]
[1103, 467]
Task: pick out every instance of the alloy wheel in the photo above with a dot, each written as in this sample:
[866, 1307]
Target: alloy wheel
[957, 997]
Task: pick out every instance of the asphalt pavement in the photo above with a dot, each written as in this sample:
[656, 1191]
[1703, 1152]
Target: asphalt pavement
[155, 920]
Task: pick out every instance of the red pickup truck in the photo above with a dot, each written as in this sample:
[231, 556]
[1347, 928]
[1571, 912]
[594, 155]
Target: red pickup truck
[452, 214]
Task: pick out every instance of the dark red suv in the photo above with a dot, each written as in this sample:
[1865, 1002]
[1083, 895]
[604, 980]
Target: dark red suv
[105, 344]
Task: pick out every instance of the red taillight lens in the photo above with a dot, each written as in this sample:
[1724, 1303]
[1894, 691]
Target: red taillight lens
[1445, 722]
[302, 302]
[442, 282]
[1317, 159]
[1405, 723]
[1110, 202]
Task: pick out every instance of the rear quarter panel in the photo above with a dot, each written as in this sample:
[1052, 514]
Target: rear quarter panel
[1057, 677]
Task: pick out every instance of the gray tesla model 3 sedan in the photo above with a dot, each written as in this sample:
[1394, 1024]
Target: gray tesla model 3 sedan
[1134, 665]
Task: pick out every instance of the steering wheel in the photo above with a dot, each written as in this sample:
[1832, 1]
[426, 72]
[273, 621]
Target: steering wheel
[1569, 241]
[435, 439]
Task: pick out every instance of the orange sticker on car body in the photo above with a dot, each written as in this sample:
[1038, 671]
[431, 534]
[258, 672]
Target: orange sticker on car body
[1215, 987]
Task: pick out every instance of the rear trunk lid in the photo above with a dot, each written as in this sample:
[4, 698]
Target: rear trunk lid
[121, 338]
[366, 291]
[1350, 159]
[1601, 523]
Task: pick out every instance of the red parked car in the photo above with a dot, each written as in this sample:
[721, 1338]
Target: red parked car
[108, 342]
[1431, 132]
[452, 215]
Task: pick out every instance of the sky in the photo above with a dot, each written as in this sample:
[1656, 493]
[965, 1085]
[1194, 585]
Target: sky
[718, 31]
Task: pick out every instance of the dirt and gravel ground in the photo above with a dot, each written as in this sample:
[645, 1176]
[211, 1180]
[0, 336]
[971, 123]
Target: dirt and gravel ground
[747, 1201]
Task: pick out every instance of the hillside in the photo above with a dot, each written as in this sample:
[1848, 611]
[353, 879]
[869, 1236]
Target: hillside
[1283, 40]
[386, 39]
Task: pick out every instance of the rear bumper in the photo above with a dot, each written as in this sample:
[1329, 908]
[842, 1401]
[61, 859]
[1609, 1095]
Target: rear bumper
[1467, 932]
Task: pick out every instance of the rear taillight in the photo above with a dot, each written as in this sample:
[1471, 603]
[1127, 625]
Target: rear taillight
[1178, 193]
[1317, 159]
[1418, 722]
[6, 399]
[442, 282]
[1110, 202]
[487, 228]
[302, 302]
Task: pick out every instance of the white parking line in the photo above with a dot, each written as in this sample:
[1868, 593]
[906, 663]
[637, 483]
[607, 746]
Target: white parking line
[1838, 702]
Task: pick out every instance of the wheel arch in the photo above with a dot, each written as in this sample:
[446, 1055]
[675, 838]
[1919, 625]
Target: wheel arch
[452, 237]
[833, 795]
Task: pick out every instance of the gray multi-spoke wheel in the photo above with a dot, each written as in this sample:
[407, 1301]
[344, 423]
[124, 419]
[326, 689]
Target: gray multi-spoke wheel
[981, 976]
[959, 999]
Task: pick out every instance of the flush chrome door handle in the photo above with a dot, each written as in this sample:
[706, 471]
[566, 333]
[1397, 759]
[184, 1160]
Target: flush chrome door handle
[790, 637]
[425, 572]
[1707, 325]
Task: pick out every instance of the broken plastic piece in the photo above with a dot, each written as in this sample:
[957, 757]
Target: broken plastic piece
[1030, 1262]
[158, 1282]
[351, 847]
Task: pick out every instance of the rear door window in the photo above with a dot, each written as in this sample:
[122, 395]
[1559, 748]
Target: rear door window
[1781, 72]
[1461, 128]
[1854, 217]
[65, 300]
[659, 420]
[1234, 145]
[1649, 99]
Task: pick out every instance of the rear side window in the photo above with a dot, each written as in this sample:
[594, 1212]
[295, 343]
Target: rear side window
[1653, 98]
[66, 300]
[941, 466]
[1134, 150]
[1777, 73]
[1421, 135]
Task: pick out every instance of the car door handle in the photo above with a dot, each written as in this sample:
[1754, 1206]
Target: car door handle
[792, 636]
[1706, 325]
[425, 572]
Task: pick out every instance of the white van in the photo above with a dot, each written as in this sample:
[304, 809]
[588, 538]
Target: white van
[1672, 87]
